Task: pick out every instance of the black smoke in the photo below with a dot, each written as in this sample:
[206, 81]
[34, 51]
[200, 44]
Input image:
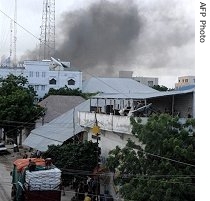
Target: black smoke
[139, 35]
[100, 37]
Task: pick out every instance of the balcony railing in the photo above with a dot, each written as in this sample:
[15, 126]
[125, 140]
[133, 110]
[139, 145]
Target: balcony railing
[114, 123]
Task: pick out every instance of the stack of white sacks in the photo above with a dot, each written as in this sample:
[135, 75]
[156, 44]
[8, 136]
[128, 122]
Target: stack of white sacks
[43, 179]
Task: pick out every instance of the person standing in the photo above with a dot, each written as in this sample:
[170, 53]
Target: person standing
[15, 147]
[38, 154]
[25, 155]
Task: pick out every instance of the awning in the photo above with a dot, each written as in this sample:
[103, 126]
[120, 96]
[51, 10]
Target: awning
[57, 131]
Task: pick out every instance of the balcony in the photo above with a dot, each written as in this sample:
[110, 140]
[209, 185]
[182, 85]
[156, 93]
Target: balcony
[113, 123]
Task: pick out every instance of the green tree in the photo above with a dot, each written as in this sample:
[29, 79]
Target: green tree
[68, 92]
[76, 156]
[17, 108]
[75, 159]
[161, 88]
[163, 167]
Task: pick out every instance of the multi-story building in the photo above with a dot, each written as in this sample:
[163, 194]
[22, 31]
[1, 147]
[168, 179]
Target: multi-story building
[116, 94]
[148, 81]
[46, 74]
[185, 81]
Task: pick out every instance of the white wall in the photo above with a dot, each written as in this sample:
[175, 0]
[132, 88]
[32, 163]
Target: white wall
[113, 123]
[185, 81]
[39, 73]
[109, 140]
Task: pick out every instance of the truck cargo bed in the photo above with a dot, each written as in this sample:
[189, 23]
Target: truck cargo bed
[44, 195]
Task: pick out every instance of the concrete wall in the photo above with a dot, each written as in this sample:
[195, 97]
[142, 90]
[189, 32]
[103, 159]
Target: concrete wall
[185, 81]
[149, 81]
[109, 140]
[39, 73]
[113, 123]
[183, 103]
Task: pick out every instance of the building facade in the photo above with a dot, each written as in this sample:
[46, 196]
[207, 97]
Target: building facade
[148, 81]
[46, 74]
[116, 129]
[185, 81]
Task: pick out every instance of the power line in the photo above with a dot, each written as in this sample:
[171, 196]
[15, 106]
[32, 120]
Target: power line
[20, 25]
[26, 30]
[169, 159]
[32, 133]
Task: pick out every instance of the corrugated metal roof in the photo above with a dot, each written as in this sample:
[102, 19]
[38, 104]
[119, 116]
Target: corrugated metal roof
[115, 85]
[140, 95]
[63, 128]
[58, 130]
[56, 105]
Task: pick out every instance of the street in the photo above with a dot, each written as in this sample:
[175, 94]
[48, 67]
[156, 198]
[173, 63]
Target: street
[5, 179]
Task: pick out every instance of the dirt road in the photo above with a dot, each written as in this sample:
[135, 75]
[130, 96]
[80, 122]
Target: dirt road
[6, 165]
[5, 179]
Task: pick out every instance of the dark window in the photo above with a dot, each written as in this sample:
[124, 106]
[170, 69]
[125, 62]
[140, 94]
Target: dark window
[71, 82]
[52, 81]
[150, 83]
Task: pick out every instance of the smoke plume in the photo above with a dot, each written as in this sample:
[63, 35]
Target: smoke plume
[145, 36]
[100, 37]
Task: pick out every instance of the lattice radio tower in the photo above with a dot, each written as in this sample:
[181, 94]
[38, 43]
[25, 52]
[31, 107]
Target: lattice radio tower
[13, 39]
[47, 37]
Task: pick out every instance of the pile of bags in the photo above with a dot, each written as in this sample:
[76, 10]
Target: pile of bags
[43, 179]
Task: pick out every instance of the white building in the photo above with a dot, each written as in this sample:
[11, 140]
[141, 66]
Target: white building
[148, 81]
[46, 74]
[185, 81]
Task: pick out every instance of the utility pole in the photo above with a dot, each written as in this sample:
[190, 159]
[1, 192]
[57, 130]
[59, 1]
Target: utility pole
[47, 37]
[96, 132]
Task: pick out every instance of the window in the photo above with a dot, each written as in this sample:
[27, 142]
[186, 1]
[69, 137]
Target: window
[30, 73]
[186, 80]
[43, 74]
[37, 74]
[150, 83]
[52, 81]
[71, 82]
[36, 87]
[42, 87]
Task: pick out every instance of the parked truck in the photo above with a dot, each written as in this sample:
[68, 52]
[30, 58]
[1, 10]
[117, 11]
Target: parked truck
[35, 179]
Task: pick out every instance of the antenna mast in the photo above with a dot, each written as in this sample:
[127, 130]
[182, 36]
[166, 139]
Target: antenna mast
[10, 49]
[15, 34]
[47, 37]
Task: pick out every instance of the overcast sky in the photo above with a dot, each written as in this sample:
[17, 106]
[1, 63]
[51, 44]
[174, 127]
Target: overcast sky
[150, 37]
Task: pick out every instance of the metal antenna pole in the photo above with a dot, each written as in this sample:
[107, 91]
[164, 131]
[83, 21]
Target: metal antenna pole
[47, 37]
[97, 155]
[10, 49]
[15, 34]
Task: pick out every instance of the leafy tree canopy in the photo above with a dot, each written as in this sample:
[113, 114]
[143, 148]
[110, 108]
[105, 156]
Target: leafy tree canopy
[161, 88]
[68, 92]
[77, 156]
[163, 167]
[74, 158]
[17, 108]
